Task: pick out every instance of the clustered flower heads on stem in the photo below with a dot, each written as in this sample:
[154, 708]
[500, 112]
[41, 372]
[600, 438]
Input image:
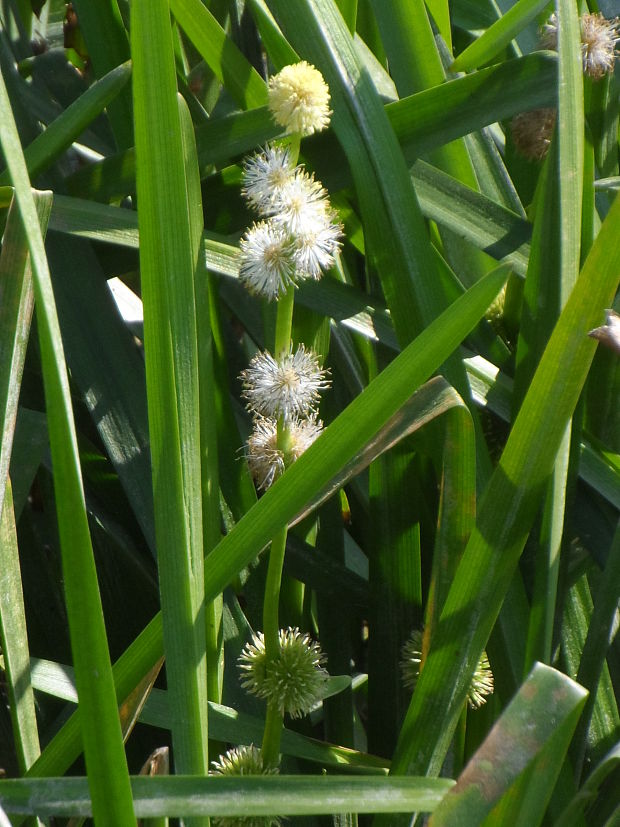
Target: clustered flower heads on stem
[285, 391]
[293, 681]
[243, 760]
[297, 238]
[411, 659]
[299, 234]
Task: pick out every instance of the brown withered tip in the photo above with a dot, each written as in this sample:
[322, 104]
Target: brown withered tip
[609, 333]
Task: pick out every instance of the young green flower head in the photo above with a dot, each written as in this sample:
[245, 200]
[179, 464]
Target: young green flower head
[287, 387]
[411, 658]
[266, 461]
[299, 99]
[245, 760]
[294, 681]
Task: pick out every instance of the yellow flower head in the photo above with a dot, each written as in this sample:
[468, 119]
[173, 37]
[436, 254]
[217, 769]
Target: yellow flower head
[299, 99]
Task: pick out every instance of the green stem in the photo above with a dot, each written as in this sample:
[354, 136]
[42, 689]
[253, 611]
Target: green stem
[271, 625]
[459, 742]
[284, 322]
[213, 620]
[271, 737]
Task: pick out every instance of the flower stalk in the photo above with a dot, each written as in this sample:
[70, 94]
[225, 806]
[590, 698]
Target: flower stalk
[297, 238]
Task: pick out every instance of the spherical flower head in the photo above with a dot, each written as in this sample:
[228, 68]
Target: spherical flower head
[301, 203]
[598, 42]
[299, 99]
[532, 132]
[293, 681]
[265, 174]
[288, 387]
[411, 659]
[245, 760]
[317, 245]
[267, 265]
[266, 461]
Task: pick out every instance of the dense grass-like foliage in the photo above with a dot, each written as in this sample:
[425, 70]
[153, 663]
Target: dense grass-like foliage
[309, 412]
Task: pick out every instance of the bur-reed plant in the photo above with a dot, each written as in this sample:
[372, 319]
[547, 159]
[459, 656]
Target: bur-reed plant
[309, 384]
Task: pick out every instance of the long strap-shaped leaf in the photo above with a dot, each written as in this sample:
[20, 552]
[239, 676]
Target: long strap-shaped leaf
[236, 797]
[537, 724]
[507, 511]
[14, 641]
[407, 36]
[223, 57]
[16, 305]
[168, 260]
[100, 727]
[552, 273]
[61, 133]
[108, 47]
[498, 35]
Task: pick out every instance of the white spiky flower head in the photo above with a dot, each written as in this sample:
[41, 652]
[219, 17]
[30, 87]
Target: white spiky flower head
[299, 99]
[293, 681]
[301, 203]
[316, 246]
[288, 387]
[266, 461]
[265, 174]
[244, 760]
[267, 265]
[411, 659]
[598, 42]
